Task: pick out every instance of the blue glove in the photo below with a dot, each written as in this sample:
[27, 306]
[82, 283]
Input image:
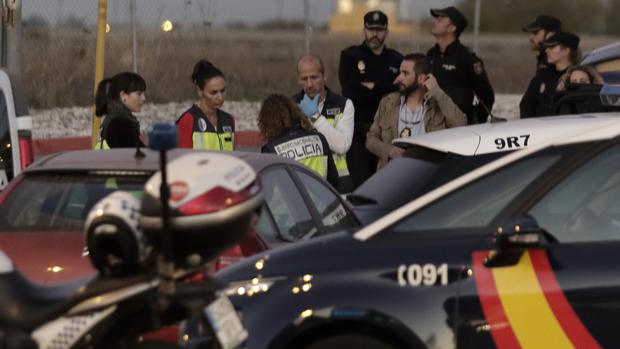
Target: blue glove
[309, 106]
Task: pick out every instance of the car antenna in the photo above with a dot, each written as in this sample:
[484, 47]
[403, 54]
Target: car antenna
[494, 118]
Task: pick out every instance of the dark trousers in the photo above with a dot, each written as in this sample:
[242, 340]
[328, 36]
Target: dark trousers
[362, 163]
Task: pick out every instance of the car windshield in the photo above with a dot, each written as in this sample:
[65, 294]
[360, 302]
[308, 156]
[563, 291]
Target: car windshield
[60, 202]
[417, 172]
[476, 204]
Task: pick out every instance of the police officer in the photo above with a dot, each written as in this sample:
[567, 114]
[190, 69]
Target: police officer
[205, 125]
[458, 70]
[366, 74]
[330, 114]
[562, 50]
[540, 29]
[290, 134]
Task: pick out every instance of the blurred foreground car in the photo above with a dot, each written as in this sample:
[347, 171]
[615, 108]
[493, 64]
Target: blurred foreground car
[42, 211]
[521, 252]
[433, 159]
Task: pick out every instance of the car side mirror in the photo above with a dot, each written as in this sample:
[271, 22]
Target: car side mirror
[514, 237]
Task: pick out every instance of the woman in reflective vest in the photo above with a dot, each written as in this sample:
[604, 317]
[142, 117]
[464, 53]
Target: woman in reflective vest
[118, 98]
[289, 134]
[205, 125]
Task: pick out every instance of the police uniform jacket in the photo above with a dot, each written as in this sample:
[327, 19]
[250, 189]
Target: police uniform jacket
[195, 130]
[359, 64]
[442, 113]
[119, 129]
[539, 97]
[461, 74]
[307, 147]
[335, 123]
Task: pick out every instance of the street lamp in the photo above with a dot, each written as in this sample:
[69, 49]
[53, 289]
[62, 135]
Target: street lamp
[167, 25]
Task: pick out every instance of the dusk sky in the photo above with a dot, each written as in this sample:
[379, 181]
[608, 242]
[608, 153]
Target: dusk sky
[218, 12]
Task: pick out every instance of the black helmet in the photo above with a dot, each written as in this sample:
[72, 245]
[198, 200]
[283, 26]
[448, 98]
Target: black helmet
[115, 242]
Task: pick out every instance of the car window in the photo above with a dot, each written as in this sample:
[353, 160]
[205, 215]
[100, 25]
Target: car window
[476, 204]
[330, 207]
[265, 227]
[59, 202]
[286, 205]
[585, 206]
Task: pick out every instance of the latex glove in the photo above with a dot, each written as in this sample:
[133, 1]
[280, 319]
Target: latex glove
[310, 106]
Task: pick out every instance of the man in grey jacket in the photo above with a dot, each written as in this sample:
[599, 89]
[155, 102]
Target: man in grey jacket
[420, 106]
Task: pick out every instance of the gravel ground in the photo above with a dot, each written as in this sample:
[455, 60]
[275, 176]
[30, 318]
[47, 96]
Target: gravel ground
[76, 121]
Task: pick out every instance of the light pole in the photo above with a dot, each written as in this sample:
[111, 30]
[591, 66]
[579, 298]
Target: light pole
[307, 25]
[476, 26]
[134, 36]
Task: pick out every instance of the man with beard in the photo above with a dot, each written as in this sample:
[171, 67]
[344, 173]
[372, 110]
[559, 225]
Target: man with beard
[542, 28]
[366, 74]
[420, 106]
[459, 71]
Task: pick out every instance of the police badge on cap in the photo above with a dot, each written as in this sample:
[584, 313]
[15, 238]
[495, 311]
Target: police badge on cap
[375, 20]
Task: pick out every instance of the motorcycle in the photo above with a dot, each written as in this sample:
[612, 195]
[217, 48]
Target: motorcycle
[151, 255]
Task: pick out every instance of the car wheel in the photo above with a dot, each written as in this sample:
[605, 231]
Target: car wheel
[353, 341]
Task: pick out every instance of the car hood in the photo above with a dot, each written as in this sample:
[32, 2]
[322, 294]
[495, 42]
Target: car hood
[47, 258]
[292, 259]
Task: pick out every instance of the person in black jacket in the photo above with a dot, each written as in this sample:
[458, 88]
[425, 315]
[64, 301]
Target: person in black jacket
[118, 98]
[366, 74]
[542, 28]
[458, 70]
[562, 51]
[290, 134]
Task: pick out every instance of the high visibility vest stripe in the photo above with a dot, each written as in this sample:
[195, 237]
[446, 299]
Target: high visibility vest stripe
[317, 164]
[213, 141]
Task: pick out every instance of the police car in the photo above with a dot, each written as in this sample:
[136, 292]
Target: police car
[521, 252]
[433, 159]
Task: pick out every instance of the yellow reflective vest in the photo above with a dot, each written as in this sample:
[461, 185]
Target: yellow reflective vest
[207, 137]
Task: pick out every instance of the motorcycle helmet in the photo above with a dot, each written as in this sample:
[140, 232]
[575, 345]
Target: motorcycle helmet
[115, 242]
[213, 197]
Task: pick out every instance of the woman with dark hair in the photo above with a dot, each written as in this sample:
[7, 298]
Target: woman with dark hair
[290, 134]
[562, 50]
[205, 125]
[578, 92]
[118, 98]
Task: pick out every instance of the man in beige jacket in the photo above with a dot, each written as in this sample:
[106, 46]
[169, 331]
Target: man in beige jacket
[420, 106]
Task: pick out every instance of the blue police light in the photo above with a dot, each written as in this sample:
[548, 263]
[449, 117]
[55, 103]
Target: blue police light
[162, 136]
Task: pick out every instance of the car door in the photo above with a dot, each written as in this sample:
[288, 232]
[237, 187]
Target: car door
[562, 293]
[329, 209]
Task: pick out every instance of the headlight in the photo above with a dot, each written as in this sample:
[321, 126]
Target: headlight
[251, 287]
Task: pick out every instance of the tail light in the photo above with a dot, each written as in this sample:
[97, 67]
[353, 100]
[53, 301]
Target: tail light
[218, 199]
[24, 134]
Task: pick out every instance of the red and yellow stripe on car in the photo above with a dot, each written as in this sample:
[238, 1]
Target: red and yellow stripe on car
[525, 306]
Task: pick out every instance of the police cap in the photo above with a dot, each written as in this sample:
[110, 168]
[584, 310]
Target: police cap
[562, 38]
[457, 18]
[375, 20]
[543, 22]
